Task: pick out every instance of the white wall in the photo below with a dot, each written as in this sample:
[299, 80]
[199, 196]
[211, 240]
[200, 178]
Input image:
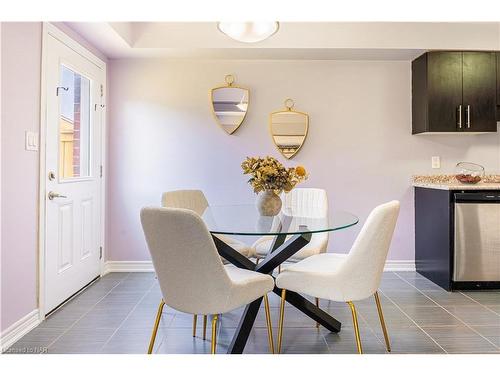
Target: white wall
[162, 136]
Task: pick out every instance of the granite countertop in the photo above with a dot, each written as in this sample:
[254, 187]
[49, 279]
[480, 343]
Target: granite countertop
[449, 182]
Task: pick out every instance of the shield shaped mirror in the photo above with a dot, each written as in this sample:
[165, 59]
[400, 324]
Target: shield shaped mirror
[229, 105]
[288, 129]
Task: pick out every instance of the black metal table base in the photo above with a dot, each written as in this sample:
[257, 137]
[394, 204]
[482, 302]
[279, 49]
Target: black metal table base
[280, 251]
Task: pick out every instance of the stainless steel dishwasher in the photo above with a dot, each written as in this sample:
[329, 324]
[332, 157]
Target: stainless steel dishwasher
[477, 239]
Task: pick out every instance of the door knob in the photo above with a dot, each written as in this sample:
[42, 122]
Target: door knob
[53, 195]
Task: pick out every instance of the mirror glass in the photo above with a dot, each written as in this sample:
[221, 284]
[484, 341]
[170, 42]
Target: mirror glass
[230, 105]
[289, 131]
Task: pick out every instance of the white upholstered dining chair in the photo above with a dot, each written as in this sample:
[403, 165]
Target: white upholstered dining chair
[305, 202]
[347, 277]
[190, 272]
[196, 201]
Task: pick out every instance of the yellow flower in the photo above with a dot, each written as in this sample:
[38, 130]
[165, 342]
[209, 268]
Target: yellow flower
[300, 170]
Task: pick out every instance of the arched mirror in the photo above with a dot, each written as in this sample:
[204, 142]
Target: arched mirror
[229, 105]
[288, 129]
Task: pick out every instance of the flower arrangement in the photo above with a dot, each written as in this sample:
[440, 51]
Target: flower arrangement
[269, 174]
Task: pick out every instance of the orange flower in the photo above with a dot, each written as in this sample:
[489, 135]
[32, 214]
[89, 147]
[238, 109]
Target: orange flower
[300, 170]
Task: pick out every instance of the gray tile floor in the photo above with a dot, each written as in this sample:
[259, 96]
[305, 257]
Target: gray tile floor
[116, 314]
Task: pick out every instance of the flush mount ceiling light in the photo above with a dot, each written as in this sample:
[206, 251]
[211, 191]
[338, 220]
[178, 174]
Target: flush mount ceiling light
[248, 32]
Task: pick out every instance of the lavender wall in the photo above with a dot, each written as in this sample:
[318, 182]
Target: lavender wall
[21, 54]
[21, 49]
[162, 136]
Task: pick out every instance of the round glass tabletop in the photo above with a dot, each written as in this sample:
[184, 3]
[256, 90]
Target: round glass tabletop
[245, 220]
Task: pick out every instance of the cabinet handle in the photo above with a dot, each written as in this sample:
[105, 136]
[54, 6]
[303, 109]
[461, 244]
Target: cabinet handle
[459, 123]
[467, 109]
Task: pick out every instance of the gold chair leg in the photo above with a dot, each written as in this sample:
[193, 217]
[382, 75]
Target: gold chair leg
[204, 327]
[317, 305]
[195, 321]
[382, 322]
[257, 261]
[269, 325]
[356, 327]
[214, 333]
[282, 318]
[155, 328]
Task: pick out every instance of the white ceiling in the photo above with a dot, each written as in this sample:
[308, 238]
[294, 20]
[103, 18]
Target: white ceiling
[294, 40]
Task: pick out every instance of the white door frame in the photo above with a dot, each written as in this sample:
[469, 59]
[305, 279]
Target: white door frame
[50, 30]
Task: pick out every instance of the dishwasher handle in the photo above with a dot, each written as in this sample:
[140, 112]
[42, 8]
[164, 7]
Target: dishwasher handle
[478, 197]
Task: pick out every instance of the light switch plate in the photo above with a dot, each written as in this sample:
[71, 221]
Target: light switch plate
[31, 141]
[436, 162]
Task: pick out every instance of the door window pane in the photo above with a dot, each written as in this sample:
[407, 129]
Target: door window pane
[74, 125]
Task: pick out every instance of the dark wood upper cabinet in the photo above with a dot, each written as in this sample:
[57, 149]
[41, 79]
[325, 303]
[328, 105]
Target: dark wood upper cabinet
[498, 86]
[444, 82]
[454, 92]
[479, 91]
[498, 78]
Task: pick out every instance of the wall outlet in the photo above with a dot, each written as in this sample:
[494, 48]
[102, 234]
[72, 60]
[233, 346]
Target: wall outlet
[31, 141]
[436, 162]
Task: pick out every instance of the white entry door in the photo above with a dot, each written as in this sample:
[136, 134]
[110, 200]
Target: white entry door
[73, 172]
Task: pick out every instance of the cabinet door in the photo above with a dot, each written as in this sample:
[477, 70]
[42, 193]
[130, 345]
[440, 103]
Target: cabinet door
[444, 70]
[479, 91]
[498, 78]
[498, 86]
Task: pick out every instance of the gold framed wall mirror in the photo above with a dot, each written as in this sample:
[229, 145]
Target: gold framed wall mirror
[288, 129]
[229, 105]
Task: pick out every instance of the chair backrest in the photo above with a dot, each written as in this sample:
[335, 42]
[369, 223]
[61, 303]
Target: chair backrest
[309, 202]
[365, 263]
[193, 200]
[190, 272]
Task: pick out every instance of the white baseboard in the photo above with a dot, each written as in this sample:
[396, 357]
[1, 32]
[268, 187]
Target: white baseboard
[17, 330]
[128, 266]
[399, 265]
[147, 266]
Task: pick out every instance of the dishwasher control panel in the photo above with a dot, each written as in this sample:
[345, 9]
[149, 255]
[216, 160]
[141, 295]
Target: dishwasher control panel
[490, 196]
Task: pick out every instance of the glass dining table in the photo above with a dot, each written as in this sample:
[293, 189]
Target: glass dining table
[290, 230]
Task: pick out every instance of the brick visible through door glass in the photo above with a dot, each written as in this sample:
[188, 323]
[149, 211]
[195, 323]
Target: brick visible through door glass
[75, 128]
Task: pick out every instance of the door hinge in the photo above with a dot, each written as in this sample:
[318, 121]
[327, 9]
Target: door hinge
[100, 171]
[100, 252]
[102, 96]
